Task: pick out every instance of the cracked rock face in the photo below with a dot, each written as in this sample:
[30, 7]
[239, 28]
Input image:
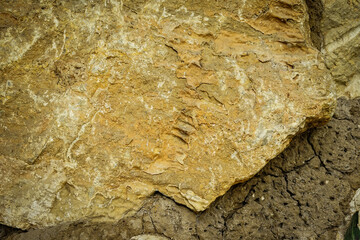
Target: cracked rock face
[103, 104]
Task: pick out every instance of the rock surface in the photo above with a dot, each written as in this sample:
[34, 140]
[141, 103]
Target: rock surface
[304, 193]
[355, 202]
[148, 237]
[339, 34]
[104, 103]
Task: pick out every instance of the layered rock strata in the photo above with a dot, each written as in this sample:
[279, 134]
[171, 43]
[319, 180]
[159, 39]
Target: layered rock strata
[105, 103]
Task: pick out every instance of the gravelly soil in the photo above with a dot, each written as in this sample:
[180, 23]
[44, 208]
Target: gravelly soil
[304, 193]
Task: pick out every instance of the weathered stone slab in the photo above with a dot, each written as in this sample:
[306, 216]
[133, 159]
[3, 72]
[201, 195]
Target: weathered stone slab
[340, 27]
[102, 104]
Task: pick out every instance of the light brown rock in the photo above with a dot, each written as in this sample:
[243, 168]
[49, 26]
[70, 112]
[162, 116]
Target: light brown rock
[148, 237]
[340, 27]
[102, 104]
[355, 205]
[355, 202]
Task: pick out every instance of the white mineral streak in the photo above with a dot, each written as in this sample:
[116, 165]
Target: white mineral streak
[343, 40]
[340, 27]
[355, 202]
[148, 237]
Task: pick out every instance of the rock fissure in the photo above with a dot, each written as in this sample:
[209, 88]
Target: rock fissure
[291, 194]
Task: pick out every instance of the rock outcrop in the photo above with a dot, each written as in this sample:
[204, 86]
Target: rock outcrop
[304, 193]
[339, 30]
[103, 104]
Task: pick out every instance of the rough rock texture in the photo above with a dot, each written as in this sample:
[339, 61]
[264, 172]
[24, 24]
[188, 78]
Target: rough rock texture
[337, 24]
[304, 193]
[355, 202]
[148, 237]
[105, 102]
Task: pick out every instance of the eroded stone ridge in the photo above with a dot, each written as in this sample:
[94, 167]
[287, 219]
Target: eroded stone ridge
[102, 104]
[340, 27]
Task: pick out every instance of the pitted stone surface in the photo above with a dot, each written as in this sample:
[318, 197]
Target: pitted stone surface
[105, 103]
